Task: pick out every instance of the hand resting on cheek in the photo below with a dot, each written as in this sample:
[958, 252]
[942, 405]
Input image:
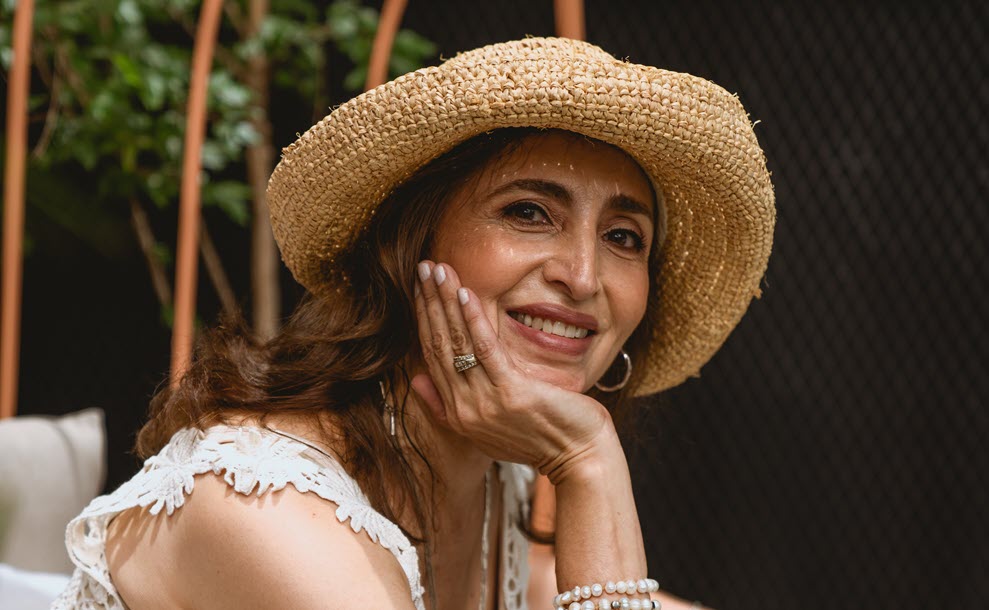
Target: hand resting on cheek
[509, 415]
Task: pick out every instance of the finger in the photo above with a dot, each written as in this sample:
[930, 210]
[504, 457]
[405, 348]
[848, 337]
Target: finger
[426, 389]
[436, 343]
[487, 348]
[447, 283]
[449, 335]
[426, 344]
[422, 319]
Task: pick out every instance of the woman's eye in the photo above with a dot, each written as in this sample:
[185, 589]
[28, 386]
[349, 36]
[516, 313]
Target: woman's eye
[626, 238]
[526, 212]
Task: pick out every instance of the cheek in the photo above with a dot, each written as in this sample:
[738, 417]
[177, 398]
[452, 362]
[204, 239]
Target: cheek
[488, 263]
[630, 299]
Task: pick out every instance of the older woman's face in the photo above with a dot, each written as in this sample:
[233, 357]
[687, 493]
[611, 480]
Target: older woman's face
[554, 239]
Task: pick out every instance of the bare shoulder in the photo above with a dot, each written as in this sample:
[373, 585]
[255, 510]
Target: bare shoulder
[223, 549]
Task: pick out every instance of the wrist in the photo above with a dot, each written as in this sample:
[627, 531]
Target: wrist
[593, 463]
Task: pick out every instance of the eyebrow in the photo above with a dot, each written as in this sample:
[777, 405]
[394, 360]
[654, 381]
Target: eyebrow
[624, 203]
[620, 201]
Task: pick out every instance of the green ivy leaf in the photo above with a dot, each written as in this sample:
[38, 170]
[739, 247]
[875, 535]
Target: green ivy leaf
[173, 146]
[398, 65]
[252, 47]
[129, 13]
[342, 25]
[367, 20]
[154, 90]
[129, 70]
[237, 135]
[102, 106]
[230, 196]
[226, 91]
[341, 16]
[412, 45]
[212, 156]
[87, 156]
[158, 189]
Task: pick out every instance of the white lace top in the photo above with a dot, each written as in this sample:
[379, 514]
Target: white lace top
[257, 460]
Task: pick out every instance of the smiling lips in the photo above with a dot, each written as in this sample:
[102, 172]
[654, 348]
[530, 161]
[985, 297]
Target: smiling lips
[555, 328]
[570, 331]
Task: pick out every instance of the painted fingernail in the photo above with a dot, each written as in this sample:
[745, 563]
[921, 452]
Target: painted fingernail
[462, 295]
[440, 275]
[424, 271]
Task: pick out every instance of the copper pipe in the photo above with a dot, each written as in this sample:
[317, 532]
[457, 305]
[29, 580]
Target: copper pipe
[186, 267]
[377, 66]
[13, 207]
[570, 22]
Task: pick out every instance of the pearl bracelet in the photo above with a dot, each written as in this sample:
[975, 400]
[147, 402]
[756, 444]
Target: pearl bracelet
[618, 604]
[570, 600]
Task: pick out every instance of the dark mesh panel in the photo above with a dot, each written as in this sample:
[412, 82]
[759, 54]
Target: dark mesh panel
[830, 456]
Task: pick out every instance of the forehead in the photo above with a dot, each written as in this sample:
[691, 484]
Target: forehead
[572, 160]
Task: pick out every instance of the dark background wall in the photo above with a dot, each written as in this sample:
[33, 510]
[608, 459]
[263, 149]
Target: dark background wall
[831, 455]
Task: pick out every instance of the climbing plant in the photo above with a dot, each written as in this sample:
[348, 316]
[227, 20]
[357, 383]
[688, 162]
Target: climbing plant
[107, 111]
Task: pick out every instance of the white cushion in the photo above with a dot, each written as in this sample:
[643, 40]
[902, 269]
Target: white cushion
[50, 469]
[29, 590]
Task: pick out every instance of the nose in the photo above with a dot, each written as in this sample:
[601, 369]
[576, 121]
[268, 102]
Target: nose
[574, 267]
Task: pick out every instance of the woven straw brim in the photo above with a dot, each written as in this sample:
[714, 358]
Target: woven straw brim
[692, 137]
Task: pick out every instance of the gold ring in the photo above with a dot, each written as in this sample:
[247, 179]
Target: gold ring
[462, 363]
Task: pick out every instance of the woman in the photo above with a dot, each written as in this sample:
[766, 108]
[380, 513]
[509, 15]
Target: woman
[489, 246]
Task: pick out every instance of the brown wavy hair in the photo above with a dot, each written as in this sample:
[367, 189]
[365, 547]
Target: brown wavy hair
[338, 344]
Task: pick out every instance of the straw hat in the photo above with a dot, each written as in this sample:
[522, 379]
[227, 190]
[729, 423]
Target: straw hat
[693, 139]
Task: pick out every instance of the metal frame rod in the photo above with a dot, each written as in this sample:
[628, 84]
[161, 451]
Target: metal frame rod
[187, 260]
[391, 18]
[570, 22]
[13, 207]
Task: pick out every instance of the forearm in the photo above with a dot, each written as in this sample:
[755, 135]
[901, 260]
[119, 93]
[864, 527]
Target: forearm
[598, 537]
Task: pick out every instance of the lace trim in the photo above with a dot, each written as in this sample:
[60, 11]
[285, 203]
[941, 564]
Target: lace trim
[250, 458]
[517, 480]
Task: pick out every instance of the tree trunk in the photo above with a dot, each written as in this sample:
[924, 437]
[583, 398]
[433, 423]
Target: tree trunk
[266, 295]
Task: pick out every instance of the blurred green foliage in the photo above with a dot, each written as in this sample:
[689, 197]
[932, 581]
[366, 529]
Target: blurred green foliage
[352, 29]
[109, 112]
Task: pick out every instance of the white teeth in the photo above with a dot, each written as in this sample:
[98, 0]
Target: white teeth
[553, 327]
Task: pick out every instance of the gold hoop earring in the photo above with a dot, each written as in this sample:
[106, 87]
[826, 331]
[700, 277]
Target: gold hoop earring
[621, 384]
